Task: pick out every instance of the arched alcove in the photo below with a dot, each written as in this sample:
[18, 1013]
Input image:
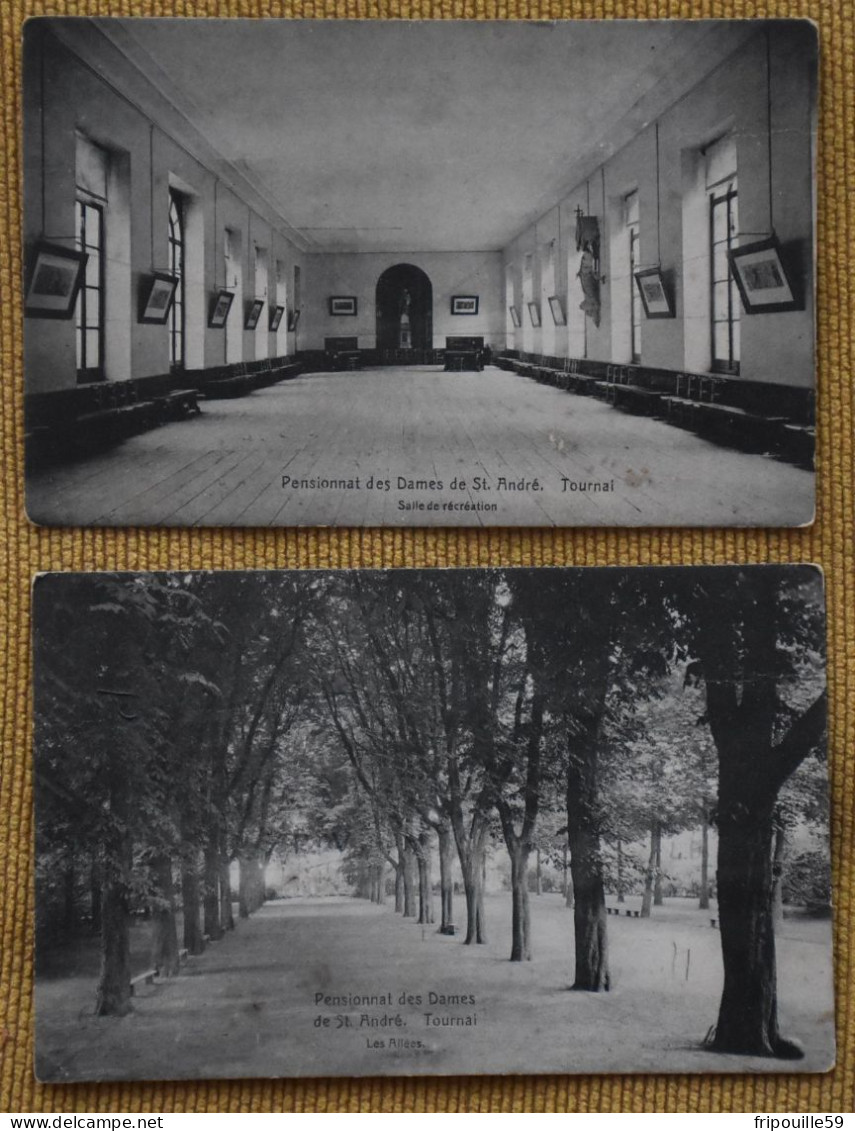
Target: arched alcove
[399, 288]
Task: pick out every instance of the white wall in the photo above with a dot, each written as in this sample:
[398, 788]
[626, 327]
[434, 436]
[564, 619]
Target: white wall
[450, 273]
[145, 161]
[775, 347]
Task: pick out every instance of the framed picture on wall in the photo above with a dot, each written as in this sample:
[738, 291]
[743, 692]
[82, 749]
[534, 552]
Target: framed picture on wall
[515, 317]
[293, 320]
[534, 314]
[654, 294]
[276, 313]
[464, 304]
[253, 313]
[557, 310]
[343, 304]
[54, 281]
[159, 293]
[220, 308]
[761, 277]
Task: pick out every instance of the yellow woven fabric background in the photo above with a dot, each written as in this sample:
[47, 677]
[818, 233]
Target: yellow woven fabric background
[830, 542]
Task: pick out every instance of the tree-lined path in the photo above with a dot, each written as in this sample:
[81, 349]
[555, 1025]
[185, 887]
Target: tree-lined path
[459, 744]
[247, 1006]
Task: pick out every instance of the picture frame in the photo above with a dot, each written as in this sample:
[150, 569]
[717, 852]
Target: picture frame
[343, 305]
[655, 294]
[761, 277]
[515, 317]
[556, 309]
[276, 313]
[253, 313]
[159, 296]
[465, 304]
[534, 314]
[220, 307]
[54, 280]
[293, 320]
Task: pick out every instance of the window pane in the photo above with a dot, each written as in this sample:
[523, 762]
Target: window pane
[720, 295]
[721, 264]
[736, 341]
[721, 342]
[719, 222]
[93, 271]
[93, 227]
[734, 218]
[93, 351]
[79, 345]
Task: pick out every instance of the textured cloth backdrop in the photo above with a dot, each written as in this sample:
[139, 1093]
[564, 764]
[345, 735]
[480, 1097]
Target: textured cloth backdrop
[830, 542]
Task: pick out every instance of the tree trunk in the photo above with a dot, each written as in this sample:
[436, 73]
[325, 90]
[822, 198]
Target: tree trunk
[657, 875]
[620, 897]
[748, 1015]
[381, 882]
[446, 887]
[704, 900]
[95, 894]
[226, 917]
[164, 948]
[472, 865]
[780, 845]
[425, 883]
[114, 985]
[113, 998]
[213, 925]
[650, 873]
[520, 915]
[409, 885]
[399, 887]
[193, 938]
[586, 865]
[245, 895]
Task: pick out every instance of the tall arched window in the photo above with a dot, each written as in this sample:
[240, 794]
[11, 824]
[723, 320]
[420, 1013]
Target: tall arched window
[176, 267]
[92, 175]
[635, 312]
[722, 192]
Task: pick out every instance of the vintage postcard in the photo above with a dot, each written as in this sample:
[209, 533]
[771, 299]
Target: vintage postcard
[431, 822]
[431, 273]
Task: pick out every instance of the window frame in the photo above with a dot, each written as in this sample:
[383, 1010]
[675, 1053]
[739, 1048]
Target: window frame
[723, 195]
[177, 254]
[636, 309]
[85, 204]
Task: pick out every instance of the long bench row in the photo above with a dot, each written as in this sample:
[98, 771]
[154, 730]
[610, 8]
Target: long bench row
[754, 416]
[68, 423]
[348, 358]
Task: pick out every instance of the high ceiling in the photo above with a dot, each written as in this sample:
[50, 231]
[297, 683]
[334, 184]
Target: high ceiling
[417, 136]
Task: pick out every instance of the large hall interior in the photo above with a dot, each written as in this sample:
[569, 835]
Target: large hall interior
[299, 272]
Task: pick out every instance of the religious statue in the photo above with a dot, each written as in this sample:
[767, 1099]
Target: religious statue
[405, 334]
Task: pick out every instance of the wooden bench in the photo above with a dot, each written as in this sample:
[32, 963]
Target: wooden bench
[74, 422]
[145, 979]
[626, 389]
[224, 382]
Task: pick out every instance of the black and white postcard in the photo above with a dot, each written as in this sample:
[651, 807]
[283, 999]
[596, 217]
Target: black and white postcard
[432, 273]
[431, 822]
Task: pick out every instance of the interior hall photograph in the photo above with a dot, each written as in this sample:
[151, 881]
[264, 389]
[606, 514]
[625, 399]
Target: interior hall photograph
[419, 273]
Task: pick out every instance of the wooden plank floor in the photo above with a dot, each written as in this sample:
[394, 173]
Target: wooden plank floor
[391, 426]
